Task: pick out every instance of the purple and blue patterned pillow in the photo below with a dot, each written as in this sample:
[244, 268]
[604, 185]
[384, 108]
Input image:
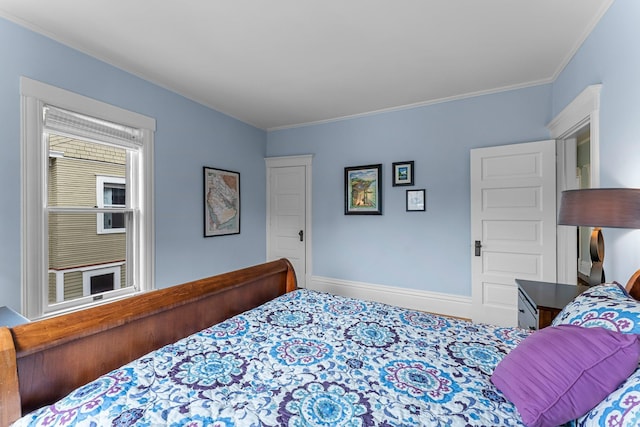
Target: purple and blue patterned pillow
[606, 306]
[621, 408]
[560, 373]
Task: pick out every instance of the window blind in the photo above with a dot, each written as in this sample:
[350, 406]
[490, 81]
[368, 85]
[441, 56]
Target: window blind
[79, 125]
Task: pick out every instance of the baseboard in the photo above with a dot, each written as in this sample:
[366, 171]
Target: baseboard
[433, 302]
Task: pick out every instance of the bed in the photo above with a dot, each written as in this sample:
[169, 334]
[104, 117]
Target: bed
[247, 348]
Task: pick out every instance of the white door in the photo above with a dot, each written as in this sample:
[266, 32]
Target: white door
[513, 225]
[287, 217]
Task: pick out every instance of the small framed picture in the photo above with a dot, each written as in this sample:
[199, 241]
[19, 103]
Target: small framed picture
[363, 190]
[221, 202]
[416, 200]
[403, 173]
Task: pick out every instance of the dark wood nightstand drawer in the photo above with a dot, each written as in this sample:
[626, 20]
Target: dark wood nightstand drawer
[527, 314]
[540, 302]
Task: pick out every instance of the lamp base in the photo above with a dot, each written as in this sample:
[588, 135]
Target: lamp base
[596, 275]
[596, 250]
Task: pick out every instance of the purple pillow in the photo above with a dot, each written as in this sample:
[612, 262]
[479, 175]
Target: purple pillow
[559, 373]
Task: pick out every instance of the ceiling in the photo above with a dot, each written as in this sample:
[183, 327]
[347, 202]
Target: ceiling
[281, 63]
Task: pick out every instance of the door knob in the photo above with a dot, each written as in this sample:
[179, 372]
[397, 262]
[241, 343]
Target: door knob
[301, 234]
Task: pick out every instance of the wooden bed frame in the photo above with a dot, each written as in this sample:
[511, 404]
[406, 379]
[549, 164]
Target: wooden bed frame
[43, 361]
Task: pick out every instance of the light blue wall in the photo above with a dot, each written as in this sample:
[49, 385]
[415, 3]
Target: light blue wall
[189, 136]
[431, 250]
[420, 250]
[611, 56]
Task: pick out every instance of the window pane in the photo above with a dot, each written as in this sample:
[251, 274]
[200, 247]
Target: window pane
[73, 167]
[101, 283]
[113, 220]
[77, 253]
[117, 194]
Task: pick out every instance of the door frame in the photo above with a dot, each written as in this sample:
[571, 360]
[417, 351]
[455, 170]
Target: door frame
[291, 161]
[583, 110]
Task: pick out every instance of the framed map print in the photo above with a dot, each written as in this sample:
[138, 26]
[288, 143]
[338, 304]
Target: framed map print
[221, 202]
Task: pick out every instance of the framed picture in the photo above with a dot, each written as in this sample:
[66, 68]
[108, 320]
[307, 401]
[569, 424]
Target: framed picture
[416, 200]
[221, 202]
[403, 173]
[363, 190]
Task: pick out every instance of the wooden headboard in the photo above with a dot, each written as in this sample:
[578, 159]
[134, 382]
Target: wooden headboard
[43, 361]
[633, 285]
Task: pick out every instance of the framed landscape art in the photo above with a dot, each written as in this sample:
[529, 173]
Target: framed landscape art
[363, 190]
[221, 202]
[402, 173]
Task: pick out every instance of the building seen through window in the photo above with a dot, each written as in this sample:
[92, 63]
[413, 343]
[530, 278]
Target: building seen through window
[87, 251]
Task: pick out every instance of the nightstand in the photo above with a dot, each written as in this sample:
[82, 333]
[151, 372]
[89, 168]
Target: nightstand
[540, 302]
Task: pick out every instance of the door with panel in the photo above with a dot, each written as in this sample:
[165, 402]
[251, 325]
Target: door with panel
[288, 234]
[513, 225]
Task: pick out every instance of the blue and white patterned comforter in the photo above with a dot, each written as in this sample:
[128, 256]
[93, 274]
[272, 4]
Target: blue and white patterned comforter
[307, 359]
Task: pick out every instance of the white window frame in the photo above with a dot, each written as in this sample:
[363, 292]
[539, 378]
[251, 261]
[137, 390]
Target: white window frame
[34, 96]
[101, 180]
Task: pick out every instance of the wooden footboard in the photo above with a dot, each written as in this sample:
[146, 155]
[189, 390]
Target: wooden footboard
[41, 362]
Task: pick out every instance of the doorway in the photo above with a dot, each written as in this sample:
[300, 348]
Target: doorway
[576, 129]
[289, 213]
[583, 179]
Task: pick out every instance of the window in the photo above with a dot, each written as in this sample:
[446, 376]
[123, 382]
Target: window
[110, 193]
[87, 201]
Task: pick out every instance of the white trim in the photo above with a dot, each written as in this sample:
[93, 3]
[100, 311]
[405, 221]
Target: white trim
[290, 161]
[81, 303]
[432, 302]
[34, 227]
[34, 223]
[81, 104]
[582, 111]
[586, 31]
[566, 241]
[286, 161]
[59, 285]
[417, 104]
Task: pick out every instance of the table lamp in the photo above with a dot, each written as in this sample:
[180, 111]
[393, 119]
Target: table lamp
[600, 207]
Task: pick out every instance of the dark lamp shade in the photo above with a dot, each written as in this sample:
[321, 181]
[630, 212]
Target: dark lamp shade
[601, 207]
